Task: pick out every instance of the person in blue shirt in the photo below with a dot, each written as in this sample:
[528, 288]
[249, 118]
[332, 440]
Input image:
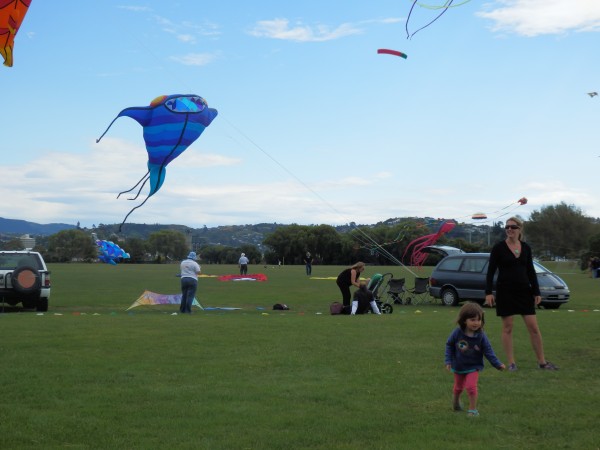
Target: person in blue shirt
[465, 348]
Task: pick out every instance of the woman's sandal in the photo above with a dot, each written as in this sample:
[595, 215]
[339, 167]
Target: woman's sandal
[473, 413]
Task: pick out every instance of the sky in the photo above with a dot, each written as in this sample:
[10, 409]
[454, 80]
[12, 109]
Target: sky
[314, 126]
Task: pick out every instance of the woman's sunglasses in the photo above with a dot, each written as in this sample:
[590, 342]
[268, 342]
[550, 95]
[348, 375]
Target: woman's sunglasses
[512, 227]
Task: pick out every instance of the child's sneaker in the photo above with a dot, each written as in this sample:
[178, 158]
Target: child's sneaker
[473, 413]
[512, 367]
[547, 366]
[457, 407]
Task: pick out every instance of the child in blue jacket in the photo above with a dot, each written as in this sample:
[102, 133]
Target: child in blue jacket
[465, 348]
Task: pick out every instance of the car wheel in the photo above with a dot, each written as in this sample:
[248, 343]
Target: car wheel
[26, 280]
[386, 308]
[449, 297]
[42, 304]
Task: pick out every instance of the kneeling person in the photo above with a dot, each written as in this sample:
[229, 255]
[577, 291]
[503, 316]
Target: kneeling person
[363, 300]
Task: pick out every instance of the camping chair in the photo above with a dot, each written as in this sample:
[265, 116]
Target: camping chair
[420, 292]
[396, 291]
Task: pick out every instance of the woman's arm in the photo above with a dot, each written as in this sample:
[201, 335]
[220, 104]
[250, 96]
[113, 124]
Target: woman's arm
[354, 277]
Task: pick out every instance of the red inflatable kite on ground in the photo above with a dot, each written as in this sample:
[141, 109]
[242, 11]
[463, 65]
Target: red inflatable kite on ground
[12, 13]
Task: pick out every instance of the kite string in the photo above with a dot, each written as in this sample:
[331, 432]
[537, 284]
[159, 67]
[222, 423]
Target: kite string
[445, 5]
[368, 238]
[448, 4]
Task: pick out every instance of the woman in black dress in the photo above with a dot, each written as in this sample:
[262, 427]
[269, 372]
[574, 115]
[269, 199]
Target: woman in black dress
[349, 277]
[517, 291]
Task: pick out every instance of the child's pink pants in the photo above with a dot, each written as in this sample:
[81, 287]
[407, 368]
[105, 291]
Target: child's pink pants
[466, 382]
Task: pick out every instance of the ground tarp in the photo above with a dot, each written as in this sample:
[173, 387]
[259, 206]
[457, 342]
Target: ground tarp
[149, 298]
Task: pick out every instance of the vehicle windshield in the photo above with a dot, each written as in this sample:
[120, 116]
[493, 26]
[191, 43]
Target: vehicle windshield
[539, 268]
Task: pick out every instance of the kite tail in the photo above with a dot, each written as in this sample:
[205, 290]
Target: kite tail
[106, 131]
[132, 210]
[426, 25]
[140, 189]
[144, 179]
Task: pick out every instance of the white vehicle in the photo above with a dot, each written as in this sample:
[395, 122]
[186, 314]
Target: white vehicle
[24, 278]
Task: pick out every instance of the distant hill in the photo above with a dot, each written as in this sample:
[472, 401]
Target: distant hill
[229, 235]
[20, 227]
[226, 235]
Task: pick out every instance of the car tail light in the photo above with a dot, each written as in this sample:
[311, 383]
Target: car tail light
[47, 281]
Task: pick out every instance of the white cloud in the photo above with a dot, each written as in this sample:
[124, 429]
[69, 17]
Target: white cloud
[135, 8]
[66, 187]
[194, 59]
[539, 17]
[281, 29]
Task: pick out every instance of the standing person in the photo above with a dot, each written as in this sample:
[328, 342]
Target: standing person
[465, 348]
[243, 263]
[517, 291]
[189, 282]
[308, 261]
[595, 267]
[349, 277]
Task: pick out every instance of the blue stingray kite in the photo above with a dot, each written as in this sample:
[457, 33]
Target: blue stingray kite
[110, 252]
[171, 124]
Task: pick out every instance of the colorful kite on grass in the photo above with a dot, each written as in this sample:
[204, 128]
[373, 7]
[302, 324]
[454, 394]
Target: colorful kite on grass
[12, 13]
[149, 298]
[110, 252]
[171, 124]
[417, 257]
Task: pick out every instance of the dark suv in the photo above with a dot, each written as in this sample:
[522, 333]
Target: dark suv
[24, 278]
[462, 276]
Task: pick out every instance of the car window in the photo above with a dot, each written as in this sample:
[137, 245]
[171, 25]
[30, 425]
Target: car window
[474, 265]
[450, 264]
[12, 261]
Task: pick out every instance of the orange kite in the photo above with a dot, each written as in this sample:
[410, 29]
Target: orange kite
[12, 13]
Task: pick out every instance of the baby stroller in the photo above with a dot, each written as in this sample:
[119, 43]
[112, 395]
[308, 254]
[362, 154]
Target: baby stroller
[376, 286]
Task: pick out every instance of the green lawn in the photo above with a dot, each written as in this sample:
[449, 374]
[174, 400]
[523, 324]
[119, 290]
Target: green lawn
[88, 374]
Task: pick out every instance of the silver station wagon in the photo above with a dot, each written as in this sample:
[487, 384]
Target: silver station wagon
[461, 276]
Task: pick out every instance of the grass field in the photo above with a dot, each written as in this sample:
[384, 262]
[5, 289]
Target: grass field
[87, 374]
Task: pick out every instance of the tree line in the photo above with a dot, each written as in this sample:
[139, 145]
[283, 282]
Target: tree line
[554, 231]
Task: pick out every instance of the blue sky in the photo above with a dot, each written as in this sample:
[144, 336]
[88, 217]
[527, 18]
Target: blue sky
[314, 126]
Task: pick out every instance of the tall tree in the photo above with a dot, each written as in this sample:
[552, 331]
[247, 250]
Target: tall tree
[136, 248]
[69, 245]
[168, 244]
[559, 230]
